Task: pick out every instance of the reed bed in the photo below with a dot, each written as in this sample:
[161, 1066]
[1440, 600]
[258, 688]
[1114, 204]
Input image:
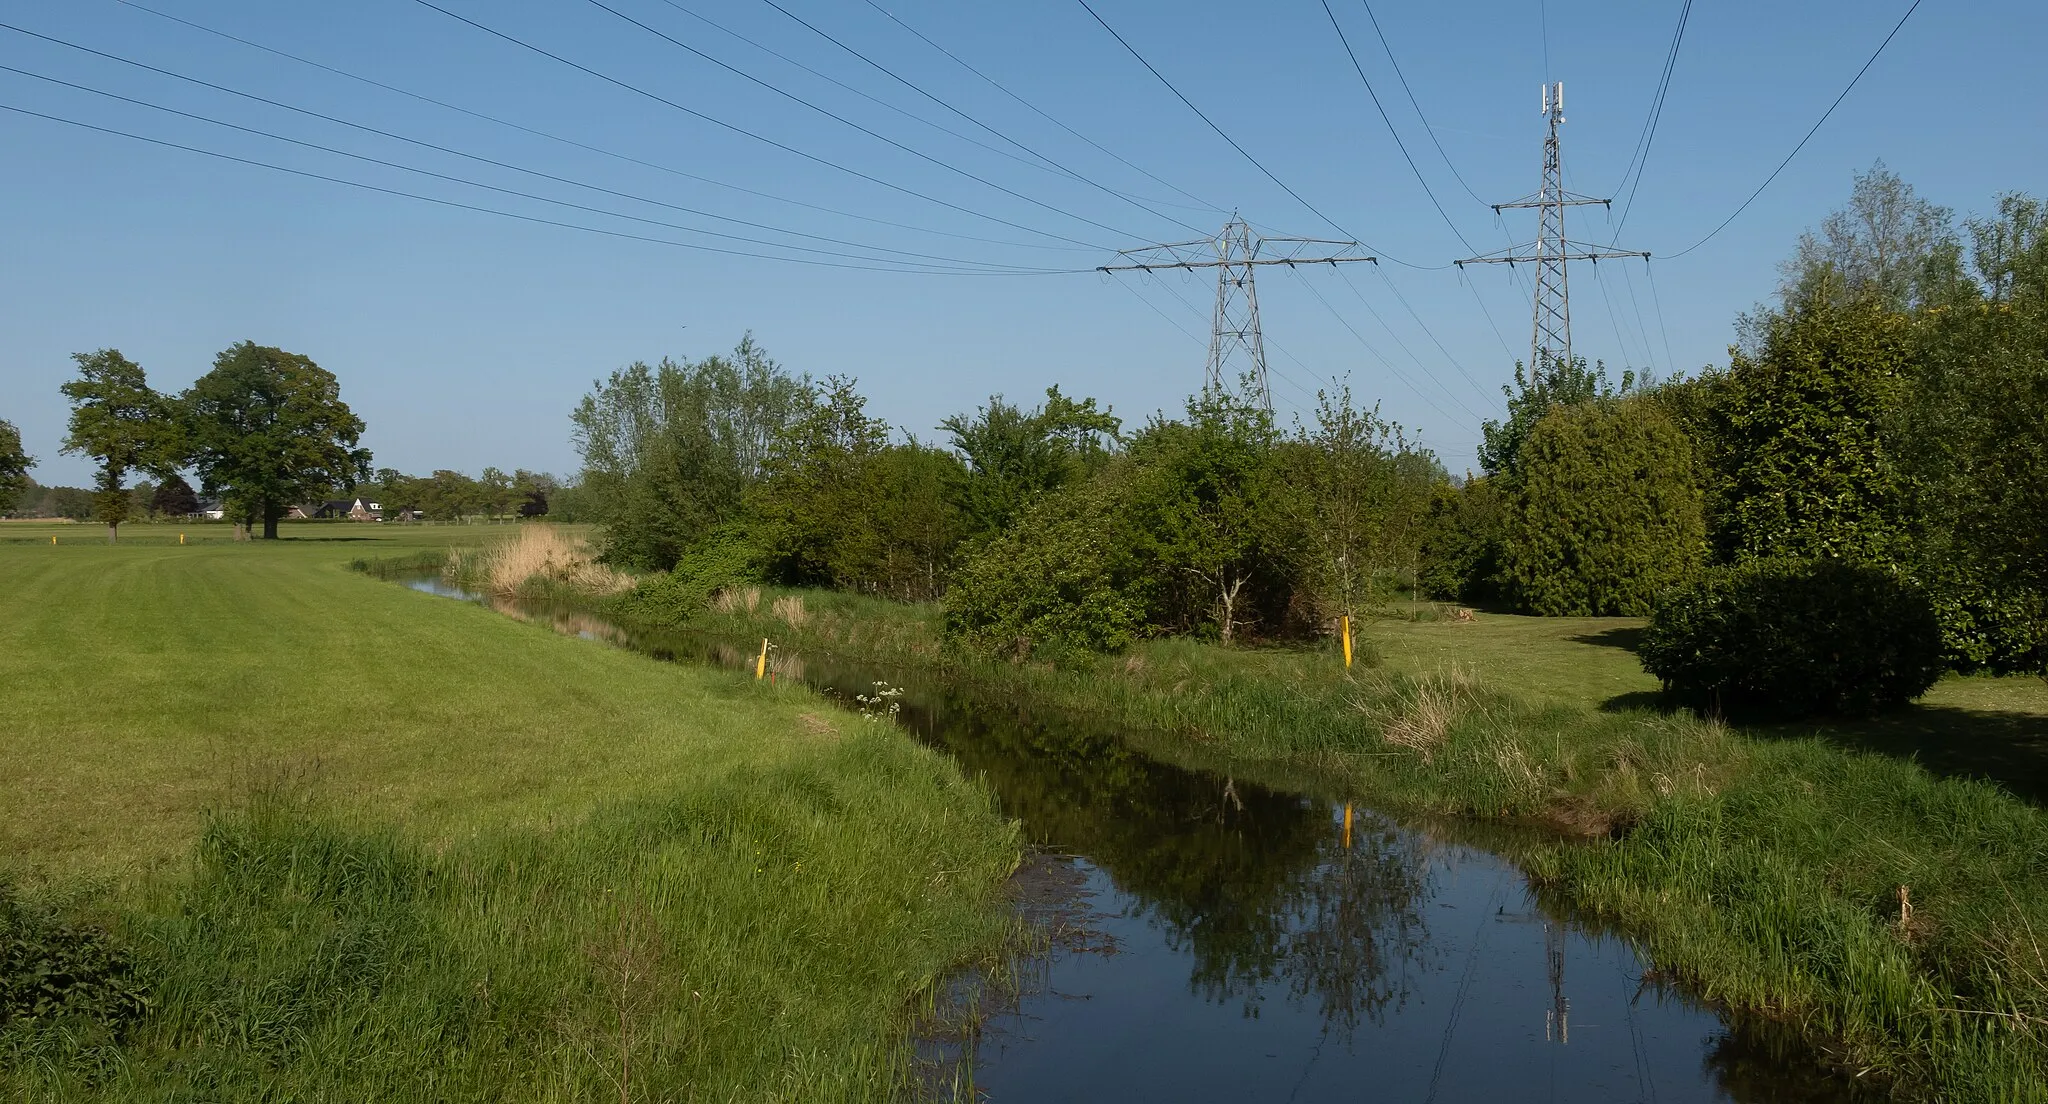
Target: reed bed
[540, 561]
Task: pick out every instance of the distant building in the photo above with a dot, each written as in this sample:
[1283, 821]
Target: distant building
[354, 509]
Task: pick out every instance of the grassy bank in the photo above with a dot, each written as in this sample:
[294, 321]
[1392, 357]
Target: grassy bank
[350, 842]
[1763, 867]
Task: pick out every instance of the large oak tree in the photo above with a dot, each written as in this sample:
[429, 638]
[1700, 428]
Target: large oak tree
[269, 429]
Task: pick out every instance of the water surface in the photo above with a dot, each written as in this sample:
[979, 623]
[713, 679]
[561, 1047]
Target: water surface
[1242, 945]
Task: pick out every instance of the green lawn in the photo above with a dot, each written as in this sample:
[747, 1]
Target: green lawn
[1967, 726]
[370, 844]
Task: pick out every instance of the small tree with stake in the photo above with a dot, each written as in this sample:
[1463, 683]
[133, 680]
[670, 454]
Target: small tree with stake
[269, 429]
[118, 421]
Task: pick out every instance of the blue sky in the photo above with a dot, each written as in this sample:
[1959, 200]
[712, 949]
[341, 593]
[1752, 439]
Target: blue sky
[463, 338]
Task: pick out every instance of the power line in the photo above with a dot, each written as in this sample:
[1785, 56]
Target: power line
[585, 146]
[1640, 160]
[1629, 282]
[1200, 204]
[450, 178]
[1809, 135]
[1398, 143]
[863, 94]
[1387, 363]
[478, 208]
[1426, 331]
[695, 114]
[451, 152]
[1190, 104]
[892, 75]
[1412, 102]
[1670, 362]
[1189, 334]
[843, 120]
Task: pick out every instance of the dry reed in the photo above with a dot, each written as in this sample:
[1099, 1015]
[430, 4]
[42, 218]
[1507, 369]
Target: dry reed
[541, 552]
[790, 609]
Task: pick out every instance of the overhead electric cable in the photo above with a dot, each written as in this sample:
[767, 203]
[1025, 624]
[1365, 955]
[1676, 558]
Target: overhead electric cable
[1403, 345]
[1221, 133]
[447, 150]
[585, 146]
[1656, 300]
[828, 113]
[507, 191]
[1398, 143]
[1426, 331]
[1412, 102]
[478, 208]
[1640, 159]
[1711, 235]
[1388, 364]
[1629, 282]
[862, 93]
[892, 75]
[1199, 203]
[1113, 277]
[693, 113]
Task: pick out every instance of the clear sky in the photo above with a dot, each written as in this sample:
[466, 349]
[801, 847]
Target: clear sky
[463, 337]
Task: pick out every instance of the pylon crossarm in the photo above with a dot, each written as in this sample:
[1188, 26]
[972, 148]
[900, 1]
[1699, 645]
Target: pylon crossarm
[1290, 262]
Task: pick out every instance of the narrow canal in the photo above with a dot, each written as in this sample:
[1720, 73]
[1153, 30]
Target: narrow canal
[1232, 941]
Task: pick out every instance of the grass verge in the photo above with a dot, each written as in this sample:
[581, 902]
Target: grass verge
[482, 861]
[1894, 916]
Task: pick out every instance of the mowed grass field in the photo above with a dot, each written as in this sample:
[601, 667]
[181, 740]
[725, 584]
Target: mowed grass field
[360, 843]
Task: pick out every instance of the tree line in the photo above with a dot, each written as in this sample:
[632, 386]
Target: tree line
[1051, 526]
[1887, 410]
[266, 433]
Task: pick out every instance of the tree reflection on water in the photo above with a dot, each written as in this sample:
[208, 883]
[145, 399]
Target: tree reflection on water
[1253, 884]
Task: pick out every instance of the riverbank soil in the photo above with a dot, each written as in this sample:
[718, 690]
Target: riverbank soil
[296, 833]
[1881, 887]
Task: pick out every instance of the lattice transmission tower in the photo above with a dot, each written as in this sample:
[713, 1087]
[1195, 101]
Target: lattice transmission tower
[1550, 340]
[1236, 345]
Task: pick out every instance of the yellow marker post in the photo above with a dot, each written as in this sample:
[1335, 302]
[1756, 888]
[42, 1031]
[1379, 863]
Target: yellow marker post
[1347, 826]
[181, 538]
[53, 540]
[1345, 621]
[761, 664]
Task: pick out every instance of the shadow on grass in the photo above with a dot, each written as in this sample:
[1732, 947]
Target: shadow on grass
[2001, 746]
[1627, 638]
[2008, 748]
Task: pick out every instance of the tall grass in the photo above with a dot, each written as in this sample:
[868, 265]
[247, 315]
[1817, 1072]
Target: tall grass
[538, 562]
[1766, 872]
[768, 938]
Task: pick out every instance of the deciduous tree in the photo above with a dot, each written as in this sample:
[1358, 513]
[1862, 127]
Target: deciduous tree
[14, 466]
[269, 429]
[121, 424]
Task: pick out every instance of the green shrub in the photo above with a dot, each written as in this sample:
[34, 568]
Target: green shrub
[1794, 638]
[725, 558]
[1603, 513]
[1063, 577]
[52, 969]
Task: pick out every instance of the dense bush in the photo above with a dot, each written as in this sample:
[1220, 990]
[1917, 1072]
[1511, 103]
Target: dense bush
[51, 969]
[1603, 511]
[1794, 638]
[1063, 578]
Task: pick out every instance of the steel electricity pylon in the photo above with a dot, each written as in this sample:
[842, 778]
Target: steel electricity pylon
[1550, 340]
[1235, 341]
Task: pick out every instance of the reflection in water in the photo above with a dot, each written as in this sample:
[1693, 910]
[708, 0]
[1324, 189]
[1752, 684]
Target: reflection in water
[1264, 953]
